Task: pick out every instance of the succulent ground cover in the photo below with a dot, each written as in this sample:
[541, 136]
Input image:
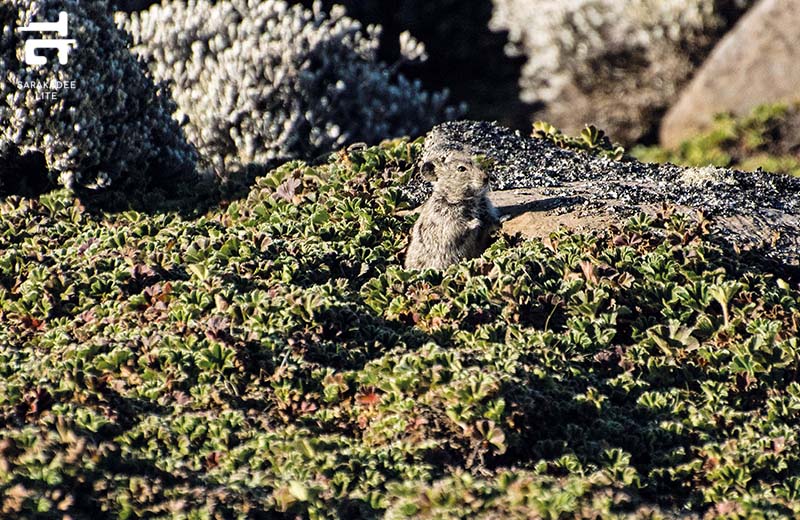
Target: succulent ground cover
[271, 358]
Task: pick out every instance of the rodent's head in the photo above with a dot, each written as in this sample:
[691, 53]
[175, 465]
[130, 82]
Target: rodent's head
[458, 175]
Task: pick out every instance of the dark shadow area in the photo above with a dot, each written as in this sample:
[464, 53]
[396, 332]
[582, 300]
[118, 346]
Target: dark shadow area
[190, 194]
[651, 136]
[188, 198]
[554, 423]
[326, 347]
[344, 338]
[151, 487]
[27, 176]
[24, 175]
[757, 260]
[755, 253]
[548, 204]
[549, 422]
[731, 11]
[357, 509]
[130, 6]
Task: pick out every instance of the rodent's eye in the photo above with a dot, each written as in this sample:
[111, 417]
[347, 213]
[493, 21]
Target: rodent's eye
[462, 168]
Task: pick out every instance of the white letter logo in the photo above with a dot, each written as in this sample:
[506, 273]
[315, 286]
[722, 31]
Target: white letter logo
[62, 45]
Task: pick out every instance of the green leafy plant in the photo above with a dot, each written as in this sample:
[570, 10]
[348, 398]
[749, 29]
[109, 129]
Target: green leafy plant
[273, 358]
[591, 139]
[767, 139]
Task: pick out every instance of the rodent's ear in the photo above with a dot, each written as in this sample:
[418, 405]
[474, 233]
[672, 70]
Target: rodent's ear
[428, 171]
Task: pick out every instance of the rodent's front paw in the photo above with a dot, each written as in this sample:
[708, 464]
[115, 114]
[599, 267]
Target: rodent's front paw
[474, 224]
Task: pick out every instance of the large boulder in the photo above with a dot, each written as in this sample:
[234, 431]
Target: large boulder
[539, 187]
[755, 63]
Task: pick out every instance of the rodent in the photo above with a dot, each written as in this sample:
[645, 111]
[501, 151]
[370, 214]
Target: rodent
[458, 219]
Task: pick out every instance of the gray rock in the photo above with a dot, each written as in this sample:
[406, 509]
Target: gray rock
[534, 179]
[755, 63]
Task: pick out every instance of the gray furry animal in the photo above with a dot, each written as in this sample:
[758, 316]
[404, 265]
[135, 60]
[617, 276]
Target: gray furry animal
[458, 219]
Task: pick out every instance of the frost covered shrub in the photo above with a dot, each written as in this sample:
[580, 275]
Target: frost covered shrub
[261, 81]
[614, 63]
[113, 129]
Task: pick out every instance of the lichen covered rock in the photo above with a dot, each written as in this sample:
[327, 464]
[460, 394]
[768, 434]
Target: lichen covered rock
[112, 129]
[555, 186]
[262, 81]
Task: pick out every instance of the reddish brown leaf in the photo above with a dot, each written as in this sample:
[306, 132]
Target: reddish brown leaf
[33, 323]
[368, 398]
[307, 407]
[212, 459]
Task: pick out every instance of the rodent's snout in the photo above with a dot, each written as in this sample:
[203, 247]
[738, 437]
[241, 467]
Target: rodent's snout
[480, 180]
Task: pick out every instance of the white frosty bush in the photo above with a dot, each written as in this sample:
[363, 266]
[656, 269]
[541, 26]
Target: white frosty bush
[259, 81]
[112, 129]
[617, 62]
